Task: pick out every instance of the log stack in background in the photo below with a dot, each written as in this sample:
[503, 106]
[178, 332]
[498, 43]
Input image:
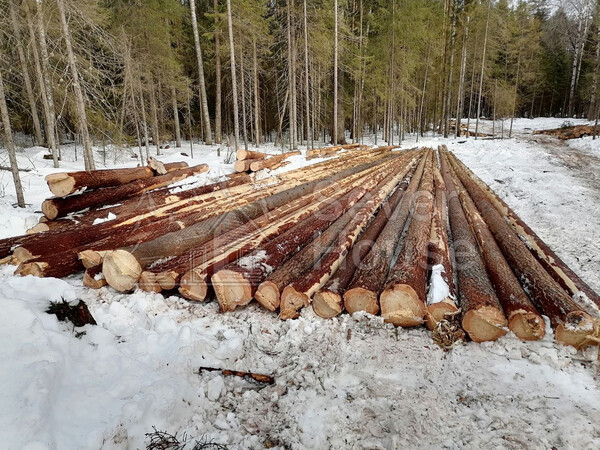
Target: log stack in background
[250, 161]
[413, 234]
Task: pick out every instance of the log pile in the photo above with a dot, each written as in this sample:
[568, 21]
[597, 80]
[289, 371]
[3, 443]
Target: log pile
[571, 132]
[411, 235]
[250, 161]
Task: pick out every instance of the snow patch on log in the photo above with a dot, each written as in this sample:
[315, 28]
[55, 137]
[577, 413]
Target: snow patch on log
[438, 288]
[254, 260]
[111, 216]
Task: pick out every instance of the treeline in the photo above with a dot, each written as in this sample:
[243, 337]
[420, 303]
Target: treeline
[141, 72]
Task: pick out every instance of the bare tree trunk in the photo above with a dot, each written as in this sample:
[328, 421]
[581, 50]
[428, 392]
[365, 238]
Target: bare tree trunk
[80, 101]
[594, 96]
[335, 73]
[154, 113]
[450, 70]
[45, 68]
[582, 29]
[12, 157]
[236, 125]
[421, 106]
[243, 92]
[201, 81]
[25, 71]
[306, 80]
[461, 82]
[176, 117]
[487, 23]
[514, 109]
[291, 79]
[218, 131]
[257, 132]
[188, 119]
[145, 123]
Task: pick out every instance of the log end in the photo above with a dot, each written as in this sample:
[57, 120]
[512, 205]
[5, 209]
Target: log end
[240, 166]
[327, 304]
[90, 258]
[39, 228]
[167, 280]
[579, 330]
[485, 324]
[90, 280]
[21, 255]
[60, 184]
[49, 209]
[360, 299]
[232, 289]
[291, 302]
[148, 283]
[436, 312]
[401, 306]
[527, 326]
[35, 268]
[267, 295]
[193, 285]
[121, 270]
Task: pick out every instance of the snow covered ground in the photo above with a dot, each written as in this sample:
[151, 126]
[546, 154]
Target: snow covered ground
[351, 382]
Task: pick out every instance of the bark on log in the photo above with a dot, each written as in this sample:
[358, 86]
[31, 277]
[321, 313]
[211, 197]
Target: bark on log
[482, 315]
[236, 284]
[270, 162]
[93, 277]
[403, 299]
[60, 207]
[370, 276]
[63, 184]
[573, 326]
[298, 293]
[328, 301]
[561, 273]
[249, 154]
[440, 259]
[523, 319]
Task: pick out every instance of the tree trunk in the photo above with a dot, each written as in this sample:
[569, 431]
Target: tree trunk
[335, 73]
[485, 38]
[79, 98]
[291, 79]
[257, 132]
[45, 69]
[369, 278]
[249, 154]
[12, 157]
[176, 117]
[236, 122]
[461, 82]
[482, 315]
[154, 113]
[218, 131]
[25, 71]
[201, 81]
[514, 109]
[306, 79]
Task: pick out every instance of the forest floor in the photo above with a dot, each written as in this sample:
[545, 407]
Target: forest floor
[350, 382]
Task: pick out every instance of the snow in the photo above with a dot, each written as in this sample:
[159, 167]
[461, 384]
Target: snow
[109, 217]
[345, 382]
[438, 288]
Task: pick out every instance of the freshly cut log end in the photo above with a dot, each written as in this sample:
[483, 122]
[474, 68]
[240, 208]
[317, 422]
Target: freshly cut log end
[35, 268]
[401, 306]
[527, 326]
[437, 311]
[360, 299]
[485, 324]
[60, 184]
[49, 209]
[121, 270]
[327, 304]
[91, 258]
[167, 280]
[39, 228]
[148, 283]
[580, 330]
[267, 295]
[21, 255]
[232, 289]
[291, 302]
[193, 285]
[242, 154]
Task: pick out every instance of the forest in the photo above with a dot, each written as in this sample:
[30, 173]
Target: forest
[140, 73]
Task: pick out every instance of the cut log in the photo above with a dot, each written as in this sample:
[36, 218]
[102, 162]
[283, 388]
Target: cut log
[270, 162]
[561, 273]
[242, 277]
[523, 318]
[442, 293]
[482, 315]
[370, 276]
[279, 165]
[91, 258]
[573, 325]
[121, 270]
[243, 165]
[249, 154]
[403, 299]
[161, 168]
[328, 301]
[60, 207]
[298, 293]
[63, 184]
[94, 278]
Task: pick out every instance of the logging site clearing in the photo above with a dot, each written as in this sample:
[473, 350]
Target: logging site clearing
[441, 293]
